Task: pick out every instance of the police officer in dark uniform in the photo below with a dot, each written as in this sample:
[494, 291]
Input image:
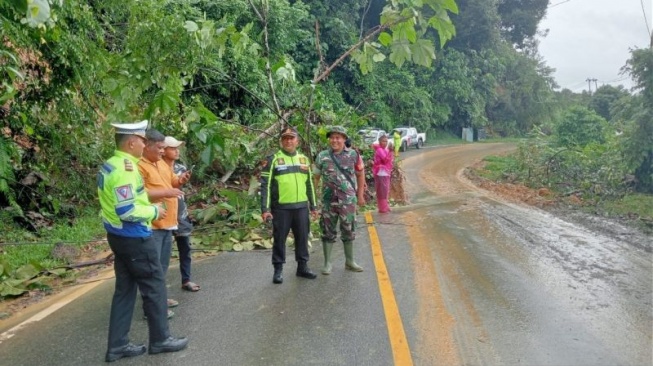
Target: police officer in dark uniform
[287, 194]
[127, 215]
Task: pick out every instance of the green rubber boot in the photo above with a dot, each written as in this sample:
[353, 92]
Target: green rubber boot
[326, 247]
[349, 258]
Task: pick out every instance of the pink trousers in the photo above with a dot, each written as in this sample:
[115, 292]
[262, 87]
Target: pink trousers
[382, 185]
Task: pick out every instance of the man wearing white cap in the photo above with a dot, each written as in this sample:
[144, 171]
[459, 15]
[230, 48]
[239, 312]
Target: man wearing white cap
[127, 215]
[184, 225]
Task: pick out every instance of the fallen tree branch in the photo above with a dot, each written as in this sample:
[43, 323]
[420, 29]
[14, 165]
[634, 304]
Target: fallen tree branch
[376, 30]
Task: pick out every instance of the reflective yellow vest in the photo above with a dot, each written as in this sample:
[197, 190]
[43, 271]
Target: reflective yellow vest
[126, 210]
[287, 182]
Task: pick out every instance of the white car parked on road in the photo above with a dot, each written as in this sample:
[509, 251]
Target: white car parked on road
[371, 136]
[409, 138]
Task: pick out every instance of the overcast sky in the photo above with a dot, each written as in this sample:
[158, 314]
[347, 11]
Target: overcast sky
[592, 39]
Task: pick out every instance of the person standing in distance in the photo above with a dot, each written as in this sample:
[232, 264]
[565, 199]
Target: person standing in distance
[382, 171]
[396, 140]
[184, 225]
[127, 215]
[343, 177]
[287, 194]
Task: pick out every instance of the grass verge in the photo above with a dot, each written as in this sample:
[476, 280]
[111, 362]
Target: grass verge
[20, 246]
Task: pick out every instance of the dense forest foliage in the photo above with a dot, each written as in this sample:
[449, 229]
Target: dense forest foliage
[225, 75]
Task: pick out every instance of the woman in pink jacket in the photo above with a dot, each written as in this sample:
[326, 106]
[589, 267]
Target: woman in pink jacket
[382, 171]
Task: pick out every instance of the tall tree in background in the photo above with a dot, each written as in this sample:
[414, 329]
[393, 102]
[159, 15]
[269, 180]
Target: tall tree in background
[478, 26]
[605, 98]
[519, 19]
[639, 144]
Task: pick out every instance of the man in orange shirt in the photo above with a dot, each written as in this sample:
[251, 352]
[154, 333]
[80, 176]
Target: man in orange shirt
[162, 186]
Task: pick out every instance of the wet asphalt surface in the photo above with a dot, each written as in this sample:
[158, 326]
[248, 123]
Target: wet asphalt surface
[477, 281]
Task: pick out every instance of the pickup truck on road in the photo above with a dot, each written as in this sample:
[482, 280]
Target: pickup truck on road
[409, 138]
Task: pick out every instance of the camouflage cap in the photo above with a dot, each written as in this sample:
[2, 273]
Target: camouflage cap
[337, 129]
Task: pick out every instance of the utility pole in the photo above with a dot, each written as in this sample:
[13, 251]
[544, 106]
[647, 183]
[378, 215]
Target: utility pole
[596, 87]
[589, 85]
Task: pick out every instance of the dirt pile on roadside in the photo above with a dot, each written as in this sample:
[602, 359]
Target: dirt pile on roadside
[514, 192]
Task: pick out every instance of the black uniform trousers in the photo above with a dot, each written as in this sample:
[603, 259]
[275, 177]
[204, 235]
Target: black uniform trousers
[283, 221]
[137, 266]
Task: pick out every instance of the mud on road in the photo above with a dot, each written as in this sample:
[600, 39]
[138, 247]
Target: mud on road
[508, 283]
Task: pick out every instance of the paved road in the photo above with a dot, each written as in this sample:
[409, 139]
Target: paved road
[458, 277]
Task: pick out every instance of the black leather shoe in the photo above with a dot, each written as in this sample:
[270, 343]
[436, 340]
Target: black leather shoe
[306, 273]
[128, 350]
[171, 344]
[278, 276]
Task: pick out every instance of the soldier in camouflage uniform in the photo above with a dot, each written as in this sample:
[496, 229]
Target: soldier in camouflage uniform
[343, 177]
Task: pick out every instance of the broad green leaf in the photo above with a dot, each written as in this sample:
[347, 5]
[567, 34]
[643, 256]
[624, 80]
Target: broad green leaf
[110, 85]
[163, 102]
[237, 247]
[40, 282]
[58, 271]
[209, 214]
[207, 155]
[385, 39]
[218, 143]
[203, 136]
[254, 236]
[450, 5]
[389, 16]
[226, 246]
[226, 206]
[442, 23]
[423, 52]
[191, 26]
[6, 290]
[26, 271]
[378, 57]
[357, 56]
[404, 30]
[14, 282]
[276, 66]
[286, 73]
[37, 265]
[400, 52]
[205, 37]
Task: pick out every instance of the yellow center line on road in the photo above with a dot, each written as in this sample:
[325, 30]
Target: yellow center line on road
[398, 342]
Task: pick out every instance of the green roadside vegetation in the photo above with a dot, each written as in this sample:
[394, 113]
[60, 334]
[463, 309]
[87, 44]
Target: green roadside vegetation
[22, 246]
[633, 208]
[442, 137]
